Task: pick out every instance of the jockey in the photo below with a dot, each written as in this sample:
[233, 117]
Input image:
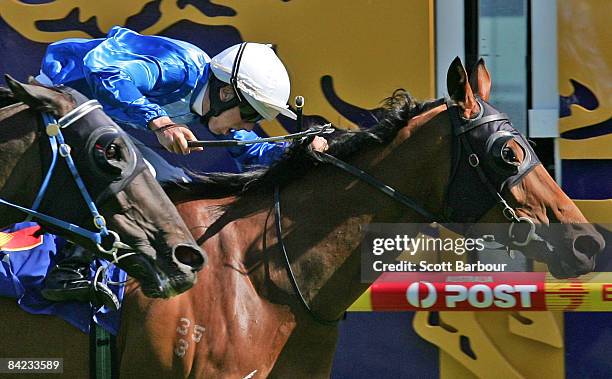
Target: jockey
[169, 86]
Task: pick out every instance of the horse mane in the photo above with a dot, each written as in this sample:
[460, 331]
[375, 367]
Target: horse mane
[394, 114]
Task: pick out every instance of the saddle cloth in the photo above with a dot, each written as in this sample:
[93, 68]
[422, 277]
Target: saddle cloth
[26, 256]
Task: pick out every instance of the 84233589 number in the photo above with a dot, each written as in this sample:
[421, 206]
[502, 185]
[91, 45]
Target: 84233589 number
[31, 365]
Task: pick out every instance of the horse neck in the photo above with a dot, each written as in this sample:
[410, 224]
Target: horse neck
[323, 214]
[20, 171]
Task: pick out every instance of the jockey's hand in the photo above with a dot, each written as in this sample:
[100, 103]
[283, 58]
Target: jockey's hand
[319, 144]
[173, 136]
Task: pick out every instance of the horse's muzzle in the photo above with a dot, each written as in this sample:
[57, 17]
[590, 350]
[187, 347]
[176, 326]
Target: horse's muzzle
[585, 243]
[589, 245]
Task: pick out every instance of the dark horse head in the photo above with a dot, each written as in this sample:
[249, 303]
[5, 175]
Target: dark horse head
[133, 204]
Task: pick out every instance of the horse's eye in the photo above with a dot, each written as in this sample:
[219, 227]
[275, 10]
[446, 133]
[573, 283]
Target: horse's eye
[508, 155]
[112, 152]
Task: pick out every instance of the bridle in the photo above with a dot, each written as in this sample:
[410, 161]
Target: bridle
[467, 134]
[473, 142]
[58, 146]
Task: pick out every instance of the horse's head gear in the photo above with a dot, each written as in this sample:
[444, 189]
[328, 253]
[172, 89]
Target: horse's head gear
[94, 149]
[499, 155]
[112, 159]
[103, 153]
[483, 164]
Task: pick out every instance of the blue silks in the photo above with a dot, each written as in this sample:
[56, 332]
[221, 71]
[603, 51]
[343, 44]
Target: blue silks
[132, 75]
[138, 78]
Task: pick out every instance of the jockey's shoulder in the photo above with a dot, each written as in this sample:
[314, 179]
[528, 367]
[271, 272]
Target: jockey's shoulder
[126, 35]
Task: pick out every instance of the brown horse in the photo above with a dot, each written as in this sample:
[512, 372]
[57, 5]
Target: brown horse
[243, 318]
[137, 209]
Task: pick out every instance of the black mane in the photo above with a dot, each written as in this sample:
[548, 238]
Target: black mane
[6, 97]
[393, 115]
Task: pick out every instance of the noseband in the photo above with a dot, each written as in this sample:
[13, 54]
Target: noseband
[59, 147]
[473, 143]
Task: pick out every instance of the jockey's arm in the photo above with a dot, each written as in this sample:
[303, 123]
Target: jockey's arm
[118, 80]
[264, 153]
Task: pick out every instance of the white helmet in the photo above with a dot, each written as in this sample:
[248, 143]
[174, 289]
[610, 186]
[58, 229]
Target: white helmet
[258, 73]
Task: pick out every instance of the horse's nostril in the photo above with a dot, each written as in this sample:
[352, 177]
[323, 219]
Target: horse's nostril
[190, 256]
[587, 245]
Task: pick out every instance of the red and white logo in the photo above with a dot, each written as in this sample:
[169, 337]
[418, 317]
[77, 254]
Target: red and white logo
[467, 296]
[414, 291]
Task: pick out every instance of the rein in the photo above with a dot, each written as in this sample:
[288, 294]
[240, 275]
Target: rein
[59, 146]
[290, 274]
[459, 130]
[382, 187]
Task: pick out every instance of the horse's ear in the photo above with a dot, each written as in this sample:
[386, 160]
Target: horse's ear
[480, 80]
[41, 98]
[458, 87]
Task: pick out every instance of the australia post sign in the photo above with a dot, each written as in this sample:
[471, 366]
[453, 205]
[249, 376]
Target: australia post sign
[528, 291]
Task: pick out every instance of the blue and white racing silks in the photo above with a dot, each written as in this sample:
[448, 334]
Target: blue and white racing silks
[138, 78]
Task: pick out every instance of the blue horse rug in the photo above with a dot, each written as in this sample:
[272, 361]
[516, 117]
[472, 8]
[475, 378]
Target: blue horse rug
[26, 257]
